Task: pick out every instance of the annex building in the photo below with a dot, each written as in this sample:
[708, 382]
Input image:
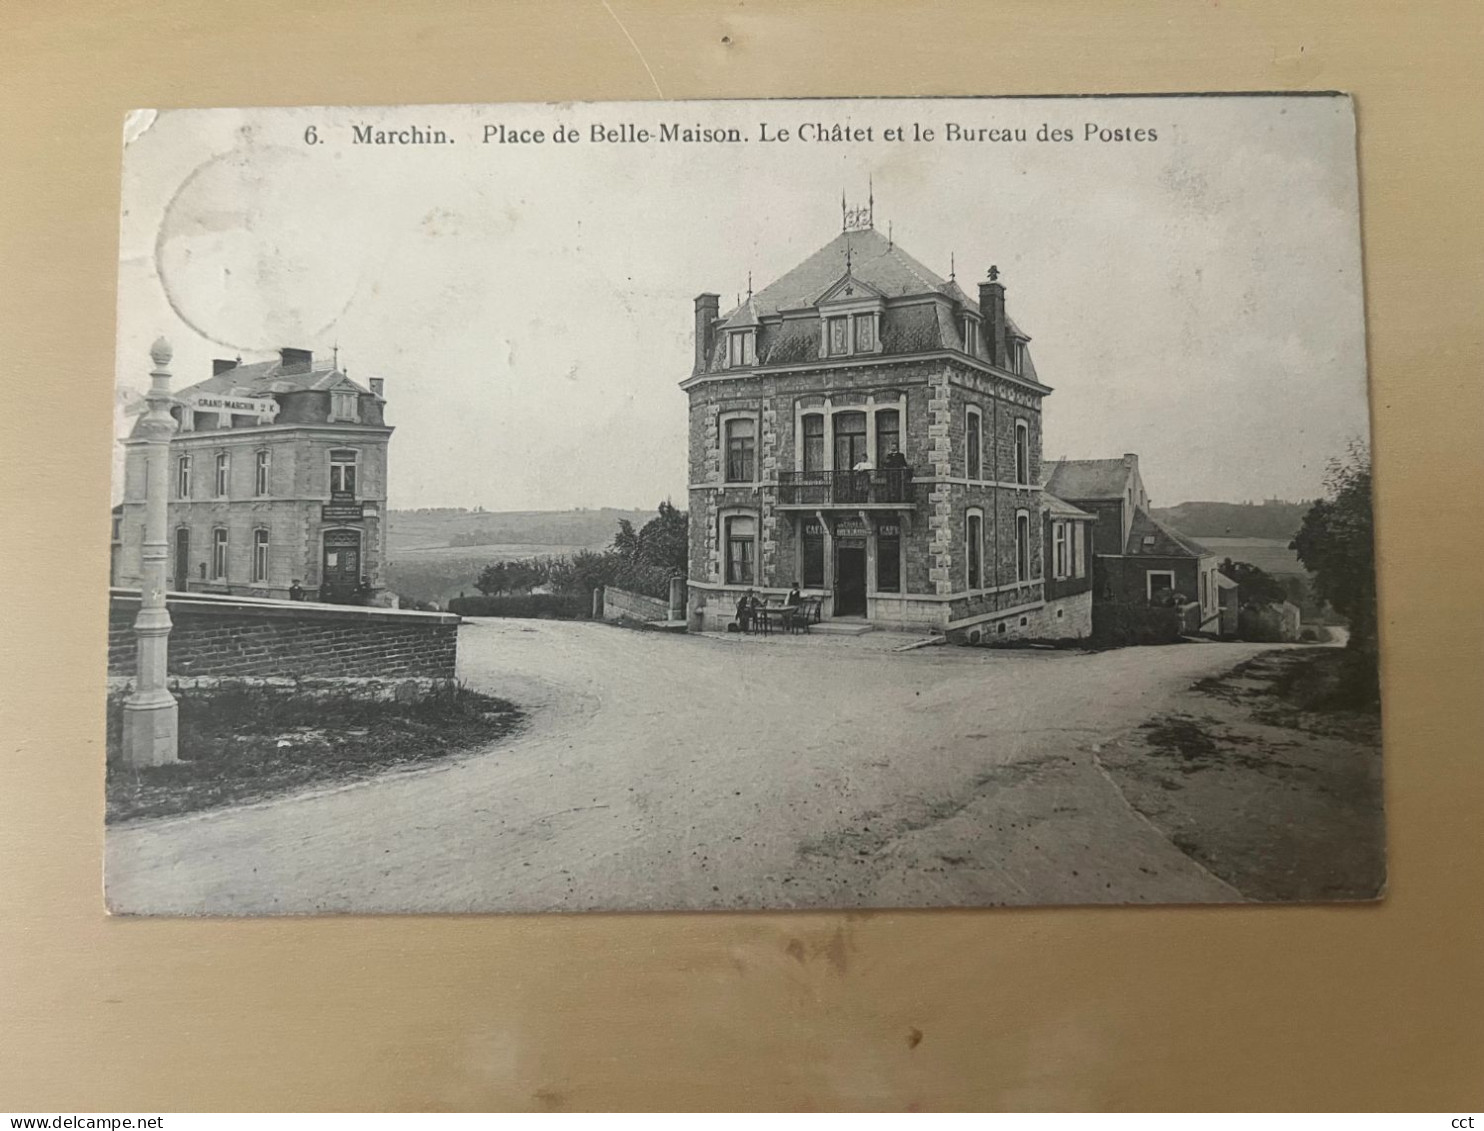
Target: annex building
[277, 475]
[871, 430]
[1138, 560]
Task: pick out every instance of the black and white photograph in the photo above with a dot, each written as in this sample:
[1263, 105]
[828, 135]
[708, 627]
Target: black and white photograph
[742, 505]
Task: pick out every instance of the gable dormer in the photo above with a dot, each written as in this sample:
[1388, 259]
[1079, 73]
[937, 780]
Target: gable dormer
[345, 402]
[850, 314]
[740, 341]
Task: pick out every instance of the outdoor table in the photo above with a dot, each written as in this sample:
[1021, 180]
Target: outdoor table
[786, 615]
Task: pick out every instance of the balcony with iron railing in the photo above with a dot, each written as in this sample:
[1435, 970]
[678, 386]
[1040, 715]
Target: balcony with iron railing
[883, 487]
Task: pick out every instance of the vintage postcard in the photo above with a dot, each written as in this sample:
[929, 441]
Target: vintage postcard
[742, 505]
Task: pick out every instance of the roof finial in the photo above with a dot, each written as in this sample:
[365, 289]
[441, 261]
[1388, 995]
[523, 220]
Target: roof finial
[952, 267]
[843, 222]
[994, 272]
[335, 355]
[870, 200]
[847, 256]
[890, 239]
[749, 284]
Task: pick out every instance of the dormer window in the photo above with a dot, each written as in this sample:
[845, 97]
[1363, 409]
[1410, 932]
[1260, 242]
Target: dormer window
[845, 334]
[741, 348]
[839, 336]
[343, 405]
[971, 336]
[1017, 356]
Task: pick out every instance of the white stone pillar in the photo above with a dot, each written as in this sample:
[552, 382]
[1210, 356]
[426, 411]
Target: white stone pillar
[150, 712]
[677, 598]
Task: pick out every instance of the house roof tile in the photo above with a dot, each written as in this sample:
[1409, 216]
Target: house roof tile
[1148, 537]
[262, 377]
[1089, 478]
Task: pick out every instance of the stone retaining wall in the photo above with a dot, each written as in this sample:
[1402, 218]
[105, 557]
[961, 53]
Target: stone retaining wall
[217, 636]
[620, 604]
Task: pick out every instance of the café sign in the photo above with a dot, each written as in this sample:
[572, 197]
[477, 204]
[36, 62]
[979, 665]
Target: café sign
[343, 508]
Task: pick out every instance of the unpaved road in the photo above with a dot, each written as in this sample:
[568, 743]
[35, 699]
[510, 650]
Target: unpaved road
[662, 771]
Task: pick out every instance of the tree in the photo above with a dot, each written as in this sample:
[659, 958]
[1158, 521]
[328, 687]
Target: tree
[1255, 586]
[626, 541]
[494, 579]
[664, 542]
[1336, 545]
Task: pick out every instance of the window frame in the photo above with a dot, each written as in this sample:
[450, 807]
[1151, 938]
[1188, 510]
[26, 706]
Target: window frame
[1150, 575]
[334, 459]
[974, 549]
[221, 482]
[821, 462]
[1022, 452]
[261, 543]
[970, 333]
[1079, 549]
[349, 400]
[724, 429]
[725, 520]
[220, 552]
[974, 443]
[876, 414]
[183, 477]
[262, 471]
[741, 348]
[1022, 546]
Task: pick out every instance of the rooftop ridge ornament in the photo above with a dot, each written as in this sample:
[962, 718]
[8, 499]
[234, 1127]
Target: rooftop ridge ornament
[858, 219]
[994, 273]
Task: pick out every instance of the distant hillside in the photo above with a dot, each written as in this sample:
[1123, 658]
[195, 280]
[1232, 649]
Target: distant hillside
[1275, 520]
[435, 528]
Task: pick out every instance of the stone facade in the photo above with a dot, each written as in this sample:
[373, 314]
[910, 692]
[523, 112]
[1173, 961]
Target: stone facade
[856, 350]
[216, 636]
[272, 488]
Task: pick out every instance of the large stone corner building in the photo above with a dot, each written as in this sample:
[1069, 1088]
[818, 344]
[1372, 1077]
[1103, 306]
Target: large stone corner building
[277, 474]
[798, 399]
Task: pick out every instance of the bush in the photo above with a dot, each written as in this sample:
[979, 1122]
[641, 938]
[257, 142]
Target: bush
[533, 606]
[1117, 624]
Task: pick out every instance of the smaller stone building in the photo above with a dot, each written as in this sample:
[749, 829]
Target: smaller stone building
[278, 474]
[1137, 559]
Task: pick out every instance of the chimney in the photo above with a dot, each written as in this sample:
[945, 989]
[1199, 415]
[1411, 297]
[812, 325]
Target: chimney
[296, 361]
[377, 384]
[220, 365]
[992, 309]
[708, 309]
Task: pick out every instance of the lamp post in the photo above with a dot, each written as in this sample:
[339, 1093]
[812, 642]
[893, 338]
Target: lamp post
[150, 712]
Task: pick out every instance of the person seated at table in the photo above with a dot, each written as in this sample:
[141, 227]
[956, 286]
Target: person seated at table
[794, 598]
[745, 604]
[894, 459]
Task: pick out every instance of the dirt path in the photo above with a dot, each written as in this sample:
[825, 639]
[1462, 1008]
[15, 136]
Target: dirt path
[698, 772]
[1284, 804]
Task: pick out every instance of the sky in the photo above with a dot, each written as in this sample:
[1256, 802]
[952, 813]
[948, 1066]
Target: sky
[1195, 297]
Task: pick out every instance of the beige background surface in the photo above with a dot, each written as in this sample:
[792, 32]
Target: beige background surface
[1365, 1007]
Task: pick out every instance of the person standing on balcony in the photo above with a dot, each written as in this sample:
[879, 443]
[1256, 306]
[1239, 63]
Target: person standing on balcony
[895, 460]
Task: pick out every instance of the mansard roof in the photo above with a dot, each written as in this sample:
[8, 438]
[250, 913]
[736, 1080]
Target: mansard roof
[865, 261]
[270, 377]
[873, 259]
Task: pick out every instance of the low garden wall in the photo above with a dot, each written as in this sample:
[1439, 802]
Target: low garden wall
[620, 604]
[240, 636]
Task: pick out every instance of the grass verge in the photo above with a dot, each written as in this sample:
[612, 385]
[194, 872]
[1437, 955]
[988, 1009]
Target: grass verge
[243, 742]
